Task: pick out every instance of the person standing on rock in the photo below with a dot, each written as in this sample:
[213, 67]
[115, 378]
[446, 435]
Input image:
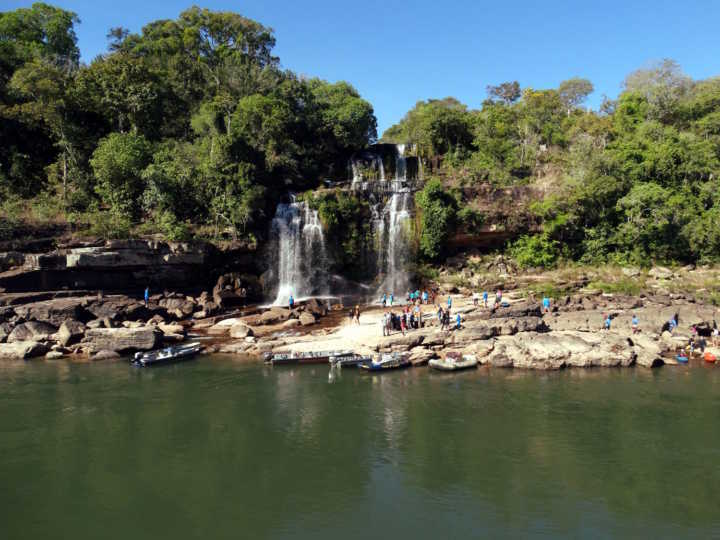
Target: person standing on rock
[546, 304]
[608, 322]
[291, 302]
[147, 295]
[476, 298]
[458, 322]
[384, 299]
[449, 301]
[485, 298]
[392, 299]
[498, 297]
[385, 323]
[635, 325]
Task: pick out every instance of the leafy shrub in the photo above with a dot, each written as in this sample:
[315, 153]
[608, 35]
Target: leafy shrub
[108, 224]
[438, 210]
[535, 251]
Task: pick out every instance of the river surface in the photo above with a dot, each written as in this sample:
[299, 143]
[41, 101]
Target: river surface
[216, 448]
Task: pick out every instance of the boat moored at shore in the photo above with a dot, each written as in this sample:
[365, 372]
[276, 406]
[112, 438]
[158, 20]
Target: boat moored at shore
[168, 355]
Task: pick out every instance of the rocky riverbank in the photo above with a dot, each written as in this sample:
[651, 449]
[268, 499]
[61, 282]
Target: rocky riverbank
[80, 322]
[518, 336]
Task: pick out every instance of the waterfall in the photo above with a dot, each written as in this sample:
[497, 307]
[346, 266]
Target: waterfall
[392, 225]
[395, 243]
[301, 251]
[401, 164]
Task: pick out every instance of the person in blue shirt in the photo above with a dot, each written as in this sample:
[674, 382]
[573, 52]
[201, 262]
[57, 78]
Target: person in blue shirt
[635, 324]
[392, 299]
[425, 297]
[458, 321]
[384, 299]
[546, 304]
[608, 322]
[485, 298]
[449, 301]
[291, 301]
[147, 295]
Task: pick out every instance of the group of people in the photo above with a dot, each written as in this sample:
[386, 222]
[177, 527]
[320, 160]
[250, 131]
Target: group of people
[412, 297]
[476, 298]
[410, 317]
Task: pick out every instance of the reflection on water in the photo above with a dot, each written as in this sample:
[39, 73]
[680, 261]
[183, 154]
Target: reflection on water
[219, 449]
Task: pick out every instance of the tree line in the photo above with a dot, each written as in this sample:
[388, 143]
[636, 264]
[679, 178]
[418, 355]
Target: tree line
[192, 120]
[636, 181]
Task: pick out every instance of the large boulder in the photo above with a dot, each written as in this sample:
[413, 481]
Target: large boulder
[306, 319]
[276, 315]
[240, 330]
[54, 311]
[649, 352]
[70, 332]
[419, 356]
[519, 309]
[223, 327]
[21, 350]
[122, 339]
[315, 307]
[31, 331]
[399, 343]
[482, 330]
[555, 350]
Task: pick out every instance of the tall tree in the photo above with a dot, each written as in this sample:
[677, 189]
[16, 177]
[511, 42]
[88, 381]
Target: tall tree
[507, 92]
[574, 92]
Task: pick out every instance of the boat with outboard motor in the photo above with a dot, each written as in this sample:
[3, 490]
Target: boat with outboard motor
[314, 357]
[454, 362]
[168, 355]
[387, 361]
[348, 361]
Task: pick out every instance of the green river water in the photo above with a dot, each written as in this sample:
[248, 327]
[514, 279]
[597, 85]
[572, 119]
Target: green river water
[216, 448]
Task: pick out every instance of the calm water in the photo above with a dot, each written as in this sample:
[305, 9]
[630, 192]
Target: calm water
[220, 449]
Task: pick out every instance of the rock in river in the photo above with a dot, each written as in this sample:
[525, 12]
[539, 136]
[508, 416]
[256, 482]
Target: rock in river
[122, 339]
[21, 350]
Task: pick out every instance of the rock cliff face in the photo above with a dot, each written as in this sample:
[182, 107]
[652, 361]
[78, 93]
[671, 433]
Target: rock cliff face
[121, 265]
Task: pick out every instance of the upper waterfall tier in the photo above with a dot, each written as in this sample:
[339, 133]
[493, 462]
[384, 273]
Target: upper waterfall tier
[391, 165]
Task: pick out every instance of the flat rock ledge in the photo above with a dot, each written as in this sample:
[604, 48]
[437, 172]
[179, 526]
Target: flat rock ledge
[557, 350]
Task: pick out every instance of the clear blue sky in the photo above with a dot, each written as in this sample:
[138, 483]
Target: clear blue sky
[398, 52]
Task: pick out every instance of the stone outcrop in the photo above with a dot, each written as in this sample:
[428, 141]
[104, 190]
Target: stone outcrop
[556, 350]
[54, 311]
[70, 332]
[122, 339]
[306, 319]
[21, 350]
[240, 330]
[31, 331]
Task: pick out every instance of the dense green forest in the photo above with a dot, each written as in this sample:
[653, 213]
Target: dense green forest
[191, 121]
[637, 181]
[191, 127]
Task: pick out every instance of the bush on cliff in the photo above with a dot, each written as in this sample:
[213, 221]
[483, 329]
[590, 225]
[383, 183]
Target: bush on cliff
[536, 251]
[438, 214]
